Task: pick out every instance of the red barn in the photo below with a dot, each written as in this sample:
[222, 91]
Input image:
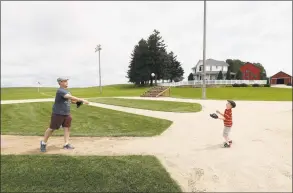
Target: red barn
[281, 78]
[250, 72]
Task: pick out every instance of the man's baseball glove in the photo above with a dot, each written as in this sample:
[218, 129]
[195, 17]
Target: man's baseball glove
[214, 115]
[79, 103]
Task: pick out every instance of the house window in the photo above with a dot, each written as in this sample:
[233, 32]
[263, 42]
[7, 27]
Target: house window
[210, 68]
[200, 68]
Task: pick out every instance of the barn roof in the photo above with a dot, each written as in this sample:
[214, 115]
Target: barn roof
[281, 72]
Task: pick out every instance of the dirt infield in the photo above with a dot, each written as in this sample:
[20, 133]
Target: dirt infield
[260, 158]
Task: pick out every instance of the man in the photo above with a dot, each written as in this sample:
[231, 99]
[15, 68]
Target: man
[61, 114]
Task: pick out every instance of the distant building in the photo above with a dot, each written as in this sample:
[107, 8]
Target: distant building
[281, 78]
[213, 67]
[250, 72]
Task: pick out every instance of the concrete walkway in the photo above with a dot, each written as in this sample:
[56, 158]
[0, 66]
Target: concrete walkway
[259, 160]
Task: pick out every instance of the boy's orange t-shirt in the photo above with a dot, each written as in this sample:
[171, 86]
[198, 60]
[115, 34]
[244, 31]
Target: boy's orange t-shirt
[228, 118]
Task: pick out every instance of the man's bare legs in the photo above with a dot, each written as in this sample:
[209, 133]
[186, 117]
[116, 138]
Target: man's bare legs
[67, 145]
[48, 133]
[66, 135]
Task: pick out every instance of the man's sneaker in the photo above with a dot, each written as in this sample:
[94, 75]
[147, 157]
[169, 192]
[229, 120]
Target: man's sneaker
[227, 145]
[68, 146]
[43, 147]
[230, 141]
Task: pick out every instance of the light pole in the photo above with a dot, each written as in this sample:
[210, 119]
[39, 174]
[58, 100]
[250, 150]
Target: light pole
[98, 49]
[204, 53]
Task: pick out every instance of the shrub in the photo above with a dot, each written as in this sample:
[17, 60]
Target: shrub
[289, 84]
[243, 85]
[255, 85]
[267, 85]
[235, 85]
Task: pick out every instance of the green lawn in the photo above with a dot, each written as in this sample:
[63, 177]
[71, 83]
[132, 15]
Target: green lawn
[34, 118]
[108, 91]
[55, 173]
[236, 93]
[167, 106]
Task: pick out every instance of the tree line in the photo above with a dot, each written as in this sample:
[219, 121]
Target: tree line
[151, 57]
[234, 66]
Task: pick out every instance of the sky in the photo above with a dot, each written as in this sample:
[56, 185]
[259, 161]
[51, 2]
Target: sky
[41, 41]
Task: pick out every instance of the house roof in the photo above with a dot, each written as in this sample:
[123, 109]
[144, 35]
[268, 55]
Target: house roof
[281, 72]
[212, 62]
[208, 72]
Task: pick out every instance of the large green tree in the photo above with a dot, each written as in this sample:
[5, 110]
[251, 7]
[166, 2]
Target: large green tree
[139, 72]
[172, 70]
[234, 65]
[151, 57]
[158, 57]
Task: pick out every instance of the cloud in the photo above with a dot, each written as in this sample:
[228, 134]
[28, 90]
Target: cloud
[44, 40]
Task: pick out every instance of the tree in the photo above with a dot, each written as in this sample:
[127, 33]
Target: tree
[239, 75]
[139, 71]
[220, 75]
[228, 75]
[190, 77]
[151, 57]
[234, 65]
[158, 59]
[173, 69]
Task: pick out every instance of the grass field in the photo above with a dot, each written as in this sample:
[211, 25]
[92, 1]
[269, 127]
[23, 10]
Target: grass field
[166, 106]
[53, 173]
[34, 118]
[236, 93]
[108, 91]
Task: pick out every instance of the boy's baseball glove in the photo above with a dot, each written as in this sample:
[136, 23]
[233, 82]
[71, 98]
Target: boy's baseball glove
[214, 115]
[79, 103]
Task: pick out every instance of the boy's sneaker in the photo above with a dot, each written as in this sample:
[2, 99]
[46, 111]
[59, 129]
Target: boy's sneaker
[43, 147]
[68, 146]
[227, 145]
[230, 141]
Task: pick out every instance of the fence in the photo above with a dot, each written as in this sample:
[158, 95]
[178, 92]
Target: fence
[213, 82]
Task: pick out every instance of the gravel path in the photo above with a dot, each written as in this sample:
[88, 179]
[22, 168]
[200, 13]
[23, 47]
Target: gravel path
[259, 160]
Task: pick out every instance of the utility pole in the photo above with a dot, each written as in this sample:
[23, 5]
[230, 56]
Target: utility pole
[204, 54]
[98, 49]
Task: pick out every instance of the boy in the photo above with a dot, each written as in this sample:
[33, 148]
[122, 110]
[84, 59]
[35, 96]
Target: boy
[227, 118]
[61, 114]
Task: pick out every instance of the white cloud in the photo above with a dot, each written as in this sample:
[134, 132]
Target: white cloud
[42, 40]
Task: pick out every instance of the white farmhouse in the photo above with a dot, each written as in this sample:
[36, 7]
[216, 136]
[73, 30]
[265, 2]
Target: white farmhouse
[213, 67]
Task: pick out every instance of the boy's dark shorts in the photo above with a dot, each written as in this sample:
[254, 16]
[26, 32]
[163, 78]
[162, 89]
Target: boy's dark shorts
[60, 120]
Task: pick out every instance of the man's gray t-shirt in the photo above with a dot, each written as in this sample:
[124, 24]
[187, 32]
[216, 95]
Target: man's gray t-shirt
[61, 105]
